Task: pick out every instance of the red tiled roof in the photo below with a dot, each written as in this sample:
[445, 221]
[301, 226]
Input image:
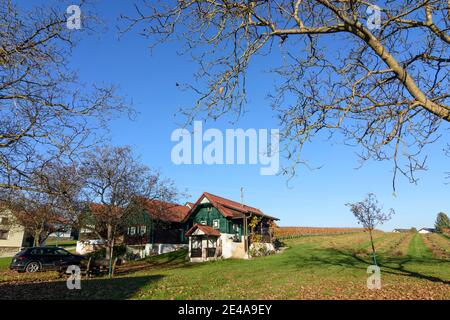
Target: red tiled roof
[162, 210]
[230, 208]
[166, 211]
[209, 231]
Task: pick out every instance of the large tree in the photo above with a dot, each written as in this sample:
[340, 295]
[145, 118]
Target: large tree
[114, 180]
[442, 222]
[382, 87]
[46, 113]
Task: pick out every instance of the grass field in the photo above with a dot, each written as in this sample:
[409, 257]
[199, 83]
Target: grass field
[69, 245]
[314, 267]
[61, 243]
[4, 263]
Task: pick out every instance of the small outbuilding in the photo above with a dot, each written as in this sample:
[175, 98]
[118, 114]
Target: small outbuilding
[401, 230]
[427, 230]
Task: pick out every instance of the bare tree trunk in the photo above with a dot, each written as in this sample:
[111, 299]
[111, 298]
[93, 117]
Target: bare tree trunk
[373, 248]
[36, 239]
[111, 267]
[109, 241]
[110, 247]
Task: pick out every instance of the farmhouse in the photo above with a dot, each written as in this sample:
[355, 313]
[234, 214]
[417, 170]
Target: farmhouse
[401, 230]
[219, 227]
[427, 230]
[212, 227]
[154, 227]
[158, 229]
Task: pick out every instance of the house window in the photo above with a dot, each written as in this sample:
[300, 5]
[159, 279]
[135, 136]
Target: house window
[143, 230]
[212, 243]
[132, 231]
[4, 234]
[37, 251]
[4, 221]
[216, 223]
[236, 228]
[203, 222]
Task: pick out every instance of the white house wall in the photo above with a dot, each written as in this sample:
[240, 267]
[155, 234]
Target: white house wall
[15, 240]
[160, 248]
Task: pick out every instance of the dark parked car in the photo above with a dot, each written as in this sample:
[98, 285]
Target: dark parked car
[44, 258]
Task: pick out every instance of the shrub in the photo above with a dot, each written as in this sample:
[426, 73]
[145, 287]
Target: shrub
[260, 251]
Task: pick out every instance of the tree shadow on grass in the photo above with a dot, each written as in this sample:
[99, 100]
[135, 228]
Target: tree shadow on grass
[395, 266]
[175, 259]
[401, 267]
[325, 257]
[100, 288]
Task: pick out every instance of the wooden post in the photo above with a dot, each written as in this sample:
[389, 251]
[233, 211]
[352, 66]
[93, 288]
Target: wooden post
[113, 267]
[245, 234]
[261, 231]
[207, 247]
[204, 250]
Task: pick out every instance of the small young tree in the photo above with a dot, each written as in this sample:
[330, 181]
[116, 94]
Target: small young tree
[369, 214]
[442, 222]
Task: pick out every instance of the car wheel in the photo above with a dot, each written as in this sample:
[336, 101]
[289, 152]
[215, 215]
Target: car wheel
[32, 267]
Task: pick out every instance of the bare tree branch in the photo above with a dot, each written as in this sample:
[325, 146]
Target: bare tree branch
[384, 90]
[45, 112]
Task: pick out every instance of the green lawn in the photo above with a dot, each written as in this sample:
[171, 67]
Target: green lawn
[417, 248]
[61, 243]
[310, 268]
[4, 263]
[69, 245]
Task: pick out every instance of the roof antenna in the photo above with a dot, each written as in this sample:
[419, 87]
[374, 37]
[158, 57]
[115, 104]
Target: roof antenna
[242, 196]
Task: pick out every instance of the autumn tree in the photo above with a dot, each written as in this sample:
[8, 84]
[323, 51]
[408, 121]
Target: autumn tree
[46, 113]
[253, 224]
[36, 215]
[114, 179]
[369, 214]
[56, 204]
[380, 84]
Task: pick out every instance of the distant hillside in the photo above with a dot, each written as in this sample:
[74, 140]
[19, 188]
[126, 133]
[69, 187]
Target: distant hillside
[292, 232]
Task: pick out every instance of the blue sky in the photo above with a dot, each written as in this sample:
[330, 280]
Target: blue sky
[313, 198]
